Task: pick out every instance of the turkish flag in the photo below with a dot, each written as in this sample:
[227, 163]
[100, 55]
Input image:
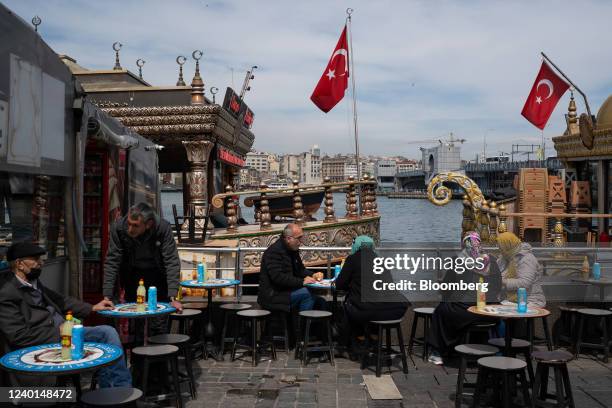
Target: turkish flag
[334, 81]
[547, 89]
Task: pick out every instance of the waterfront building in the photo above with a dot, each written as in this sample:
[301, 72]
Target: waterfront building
[406, 165]
[309, 168]
[334, 168]
[384, 172]
[288, 166]
[446, 156]
[258, 161]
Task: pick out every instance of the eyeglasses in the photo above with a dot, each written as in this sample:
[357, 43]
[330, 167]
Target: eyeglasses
[301, 238]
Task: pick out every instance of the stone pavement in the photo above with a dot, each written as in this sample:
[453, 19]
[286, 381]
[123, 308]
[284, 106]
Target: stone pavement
[285, 384]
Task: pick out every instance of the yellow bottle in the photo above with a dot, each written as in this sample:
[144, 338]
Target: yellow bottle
[586, 268]
[481, 296]
[66, 335]
[141, 295]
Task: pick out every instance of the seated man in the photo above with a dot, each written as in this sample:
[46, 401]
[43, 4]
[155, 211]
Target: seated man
[31, 314]
[282, 275]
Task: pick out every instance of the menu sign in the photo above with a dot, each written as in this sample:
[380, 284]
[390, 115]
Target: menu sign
[230, 158]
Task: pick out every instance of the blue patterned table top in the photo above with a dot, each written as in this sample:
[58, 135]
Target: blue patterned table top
[322, 284]
[210, 283]
[46, 359]
[128, 310]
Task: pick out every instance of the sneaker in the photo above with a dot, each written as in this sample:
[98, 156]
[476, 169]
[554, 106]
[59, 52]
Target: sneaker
[435, 359]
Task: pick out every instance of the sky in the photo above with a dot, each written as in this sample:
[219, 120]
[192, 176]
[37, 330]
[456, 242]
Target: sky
[422, 69]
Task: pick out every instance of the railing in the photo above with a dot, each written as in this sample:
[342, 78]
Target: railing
[367, 197]
[595, 253]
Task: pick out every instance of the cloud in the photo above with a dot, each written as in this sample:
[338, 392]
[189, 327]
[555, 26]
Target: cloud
[423, 69]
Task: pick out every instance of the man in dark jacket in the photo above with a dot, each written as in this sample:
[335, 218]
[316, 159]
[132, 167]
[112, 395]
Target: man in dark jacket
[282, 275]
[31, 314]
[142, 246]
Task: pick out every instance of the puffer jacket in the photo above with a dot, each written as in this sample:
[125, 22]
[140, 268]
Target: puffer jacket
[529, 273]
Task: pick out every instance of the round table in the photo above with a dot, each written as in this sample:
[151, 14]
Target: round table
[508, 314]
[327, 284]
[128, 311]
[209, 331]
[45, 360]
[602, 283]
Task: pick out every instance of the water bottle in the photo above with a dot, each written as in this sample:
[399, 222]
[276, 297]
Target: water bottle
[152, 297]
[521, 300]
[337, 270]
[596, 271]
[77, 342]
[200, 272]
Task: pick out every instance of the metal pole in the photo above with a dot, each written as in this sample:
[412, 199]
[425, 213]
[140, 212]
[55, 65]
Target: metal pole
[349, 11]
[586, 103]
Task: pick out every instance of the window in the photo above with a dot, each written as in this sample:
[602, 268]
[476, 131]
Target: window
[32, 209]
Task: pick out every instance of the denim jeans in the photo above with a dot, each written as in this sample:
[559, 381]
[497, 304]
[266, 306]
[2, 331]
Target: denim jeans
[302, 299]
[116, 375]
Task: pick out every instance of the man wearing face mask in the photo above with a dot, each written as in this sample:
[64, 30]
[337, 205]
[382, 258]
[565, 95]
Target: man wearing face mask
[31, 314]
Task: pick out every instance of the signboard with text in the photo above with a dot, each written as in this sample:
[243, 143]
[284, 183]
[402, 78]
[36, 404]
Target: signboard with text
[237, 108]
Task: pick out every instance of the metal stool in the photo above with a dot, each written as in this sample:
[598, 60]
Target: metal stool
[469, 353]
[531, 333]
[229, 314]
[303, 347]
[183, 319]
[479, 328]
[507, 368]
[283, 317]
[518, 346]
[424, 313]
[182, 341]
[603, 316]
[254, 317]
[161, 353]
[112, 397]
[388, 353]
[557, 360]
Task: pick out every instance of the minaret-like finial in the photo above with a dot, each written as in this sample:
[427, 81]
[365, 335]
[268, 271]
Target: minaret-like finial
[36, 21]
[214, 91]
[180, 60]
[117, 46]
[572, 117]
[197, 85]
[140, 63]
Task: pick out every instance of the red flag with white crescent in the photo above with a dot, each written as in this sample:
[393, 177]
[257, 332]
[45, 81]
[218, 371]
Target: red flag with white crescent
[334, 81]
[547, 89]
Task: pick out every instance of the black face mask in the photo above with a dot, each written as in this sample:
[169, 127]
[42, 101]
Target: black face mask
[33, 274]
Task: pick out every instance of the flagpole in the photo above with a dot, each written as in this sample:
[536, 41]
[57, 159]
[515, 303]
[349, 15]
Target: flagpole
[349, 11]
[586, 103]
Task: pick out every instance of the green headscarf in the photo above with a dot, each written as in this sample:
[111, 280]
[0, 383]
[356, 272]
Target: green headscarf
[362, 241]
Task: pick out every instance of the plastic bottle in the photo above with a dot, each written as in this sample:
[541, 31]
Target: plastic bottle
[141, 295]
[152, 305]
[337, 270]
[201, 272]
[596, 271]
[521, 298]
[481, 296]
[77, 341]
[66, 335]
[585, 268]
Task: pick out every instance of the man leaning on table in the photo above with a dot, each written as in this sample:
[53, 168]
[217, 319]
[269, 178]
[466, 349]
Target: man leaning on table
[31, 314]
[142, 246]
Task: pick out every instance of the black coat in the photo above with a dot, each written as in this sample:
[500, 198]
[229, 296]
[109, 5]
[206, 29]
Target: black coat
[364, 297]
[281, 272]
[23, 323]
[124, 261]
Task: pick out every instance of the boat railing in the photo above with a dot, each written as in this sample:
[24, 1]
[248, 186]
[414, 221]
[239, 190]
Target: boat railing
[359, 204]
[600, 254]
[487, 217]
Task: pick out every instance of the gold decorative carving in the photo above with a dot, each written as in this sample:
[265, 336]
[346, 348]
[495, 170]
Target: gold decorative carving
[230, 211]
[351, 201]
[264, 210]
[195, 119]
[163, 110]
[502, 220]
[298, 209]
[198, 153]
[439, 194]
[173, 129]
[494, 222]
[329, 202]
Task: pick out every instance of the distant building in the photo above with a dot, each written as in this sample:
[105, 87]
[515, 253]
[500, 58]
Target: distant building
[249, 177]
[443, 157]
[288, 167]
[309, 167]
[407, 165]
[258, 161]
[385, 171]
[334, 168]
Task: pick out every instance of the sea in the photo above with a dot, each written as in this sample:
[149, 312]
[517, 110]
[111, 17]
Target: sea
[403, 221]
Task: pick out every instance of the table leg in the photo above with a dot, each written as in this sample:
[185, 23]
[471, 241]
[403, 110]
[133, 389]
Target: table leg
[209, 330]
[146, 331]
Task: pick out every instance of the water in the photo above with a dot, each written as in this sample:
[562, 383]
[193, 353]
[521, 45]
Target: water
[402, 221]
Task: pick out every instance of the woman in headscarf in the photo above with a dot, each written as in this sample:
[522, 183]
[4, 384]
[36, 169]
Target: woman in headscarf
[356, 311]
[451, 319]
[520, 269]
